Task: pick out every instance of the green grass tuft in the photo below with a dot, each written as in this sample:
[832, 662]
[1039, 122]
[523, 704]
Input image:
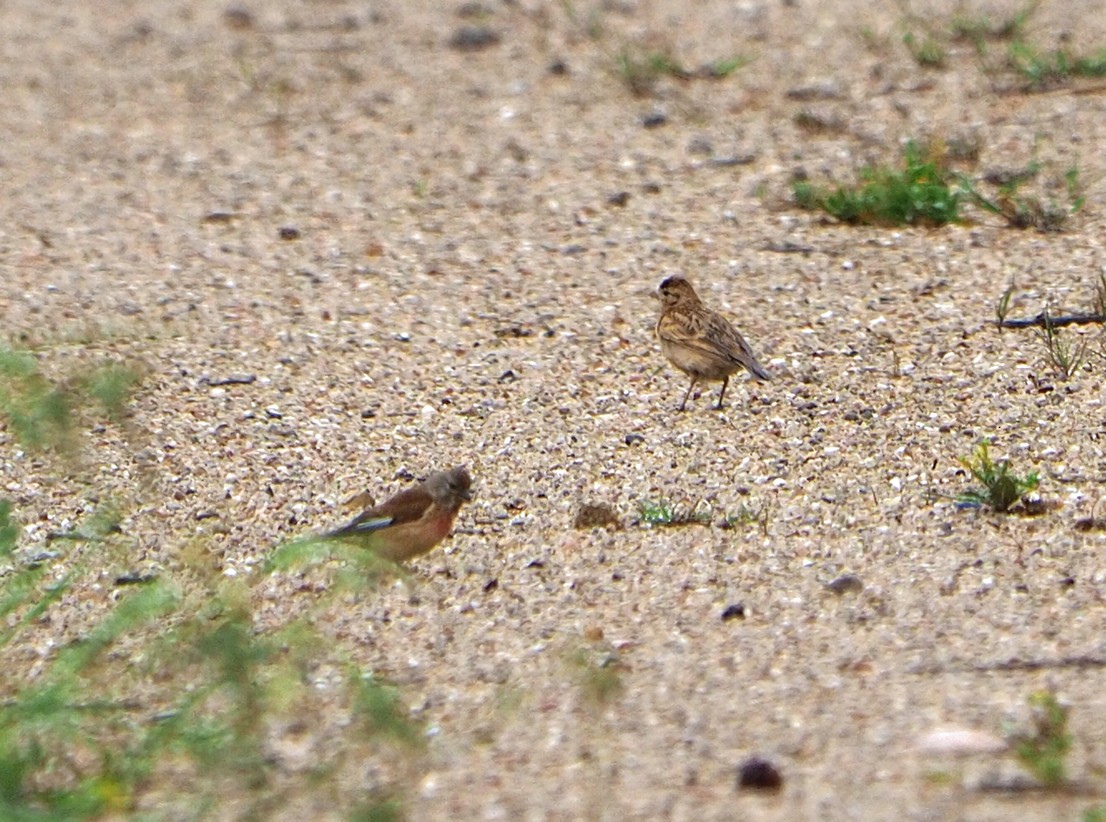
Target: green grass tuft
[1045, 752]
[918, 192]
[1001, 487]
[663, 514]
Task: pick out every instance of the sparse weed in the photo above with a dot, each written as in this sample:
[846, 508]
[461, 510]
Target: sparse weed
[1045, 70]
[1095, 814]
[112, 386]
[1045, 751]
[641, 69]
[747, 515]
[926, 50]
[725, 67]
[37, 410]
[1098, 303]
[978, 29]
[663, 513]
[1002, 307]
[1001, 488]
[919, 192]
[1063, 356]
[599, 674]
[1028, 210]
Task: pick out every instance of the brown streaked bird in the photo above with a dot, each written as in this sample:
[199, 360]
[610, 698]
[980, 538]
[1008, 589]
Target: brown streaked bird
[413, 521]
[700, 342]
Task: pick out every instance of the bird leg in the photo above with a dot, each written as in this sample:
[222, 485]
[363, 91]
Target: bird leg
[688, 394]
[725, 382]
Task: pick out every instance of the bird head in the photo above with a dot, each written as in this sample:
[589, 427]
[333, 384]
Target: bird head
[450, 487]
[675, 290]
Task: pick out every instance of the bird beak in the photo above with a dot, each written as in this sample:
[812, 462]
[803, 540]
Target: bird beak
[466, 495]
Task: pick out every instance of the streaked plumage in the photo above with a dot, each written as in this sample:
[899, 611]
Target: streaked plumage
[700, 342]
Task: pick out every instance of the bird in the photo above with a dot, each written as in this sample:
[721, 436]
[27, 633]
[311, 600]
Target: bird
[700, 342]
[414, 520]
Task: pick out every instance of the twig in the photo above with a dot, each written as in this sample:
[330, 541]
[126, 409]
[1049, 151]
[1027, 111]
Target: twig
[1045, 320]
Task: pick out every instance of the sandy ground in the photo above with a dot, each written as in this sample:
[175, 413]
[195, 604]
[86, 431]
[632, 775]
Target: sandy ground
[459, 281]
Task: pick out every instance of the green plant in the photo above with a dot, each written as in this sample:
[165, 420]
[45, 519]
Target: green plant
[919, 192]
[1028, 211]
[980, 28]
[1002, 307]
[1065, 357]
[1044, 752]
[640, 69]
[1095, 814]
[663, 513]
[725, 67]
[927, 51]
[599, 674]
[1053, 68]
[37, 411]
[1001, 488]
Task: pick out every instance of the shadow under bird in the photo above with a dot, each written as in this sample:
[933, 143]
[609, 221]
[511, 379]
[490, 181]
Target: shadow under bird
[701, 342]
[414, 520]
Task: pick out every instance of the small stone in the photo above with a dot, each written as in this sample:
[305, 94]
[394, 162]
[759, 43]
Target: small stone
[735, 611]
[1034, 505]
[959, 742]
[633, 439]
[759, 774]
[620, 199]
[654, 119]
[134, 578]
[700, 145]
[289, 232]
[238, 17]
[473, 38]
[846, 584]
[818, 90]
[473, 10]
[558, 68]
[593, 633]
[233, 379]
[219, 216]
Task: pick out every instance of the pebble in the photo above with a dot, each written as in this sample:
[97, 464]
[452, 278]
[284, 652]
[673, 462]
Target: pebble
[735, 611]
[473, 38]
[846, 584]
[758, 774]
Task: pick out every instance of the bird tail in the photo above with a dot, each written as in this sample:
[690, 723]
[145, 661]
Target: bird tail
[757, 370]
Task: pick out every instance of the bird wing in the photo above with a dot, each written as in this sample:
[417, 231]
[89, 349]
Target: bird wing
[406, 506]
[712, 334]
[727, 340]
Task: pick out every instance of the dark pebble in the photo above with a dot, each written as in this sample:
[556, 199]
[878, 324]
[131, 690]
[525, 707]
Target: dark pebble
[736, 611]
[473, 38]
[633, 439]
[289, 232]
[759, 774]
[846, 584]
[654, 120]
